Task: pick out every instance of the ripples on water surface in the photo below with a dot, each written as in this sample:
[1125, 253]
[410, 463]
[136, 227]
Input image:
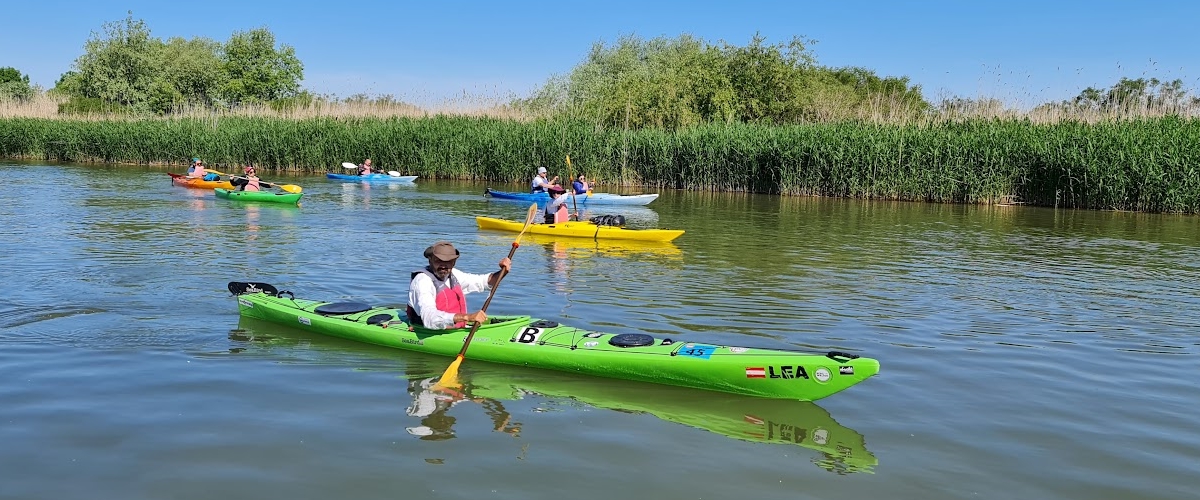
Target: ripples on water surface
[1026, 352]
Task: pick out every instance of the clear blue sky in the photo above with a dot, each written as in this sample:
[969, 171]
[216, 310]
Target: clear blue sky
[1023, 52]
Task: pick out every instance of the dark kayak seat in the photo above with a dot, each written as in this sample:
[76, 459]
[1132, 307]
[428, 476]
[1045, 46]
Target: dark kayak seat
[631, 340]
[244, 287]
[376, 319]
[841, 357]
[339, 308]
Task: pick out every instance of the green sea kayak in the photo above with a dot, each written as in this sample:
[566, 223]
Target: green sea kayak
[769, 421]
[525, 341]
[268, 196]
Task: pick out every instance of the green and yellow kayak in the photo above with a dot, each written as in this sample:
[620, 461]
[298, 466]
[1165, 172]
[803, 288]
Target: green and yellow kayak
[267, 196]
[525, 341]
[581, 229]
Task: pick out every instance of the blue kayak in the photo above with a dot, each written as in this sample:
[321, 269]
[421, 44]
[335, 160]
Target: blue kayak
[371, 177]
[592, 199]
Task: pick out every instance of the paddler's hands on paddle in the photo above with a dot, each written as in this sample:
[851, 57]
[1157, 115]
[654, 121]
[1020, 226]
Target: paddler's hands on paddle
[505, 268]
[481, 316]
[469, 318]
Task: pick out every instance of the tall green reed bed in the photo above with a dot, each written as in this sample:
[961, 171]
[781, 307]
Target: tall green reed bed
[1144, 165]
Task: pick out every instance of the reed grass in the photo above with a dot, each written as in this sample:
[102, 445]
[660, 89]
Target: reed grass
[1143, 160]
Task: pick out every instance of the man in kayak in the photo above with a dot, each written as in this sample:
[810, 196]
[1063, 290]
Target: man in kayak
[436, 294]
[556, 210]
[540, 183]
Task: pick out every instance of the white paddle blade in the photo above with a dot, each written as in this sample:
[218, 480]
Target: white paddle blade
[348, 165]
[393, 173]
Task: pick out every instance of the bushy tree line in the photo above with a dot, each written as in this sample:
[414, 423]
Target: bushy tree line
[685, 81]
[126, 68]
[14, 85]
[1136, 93]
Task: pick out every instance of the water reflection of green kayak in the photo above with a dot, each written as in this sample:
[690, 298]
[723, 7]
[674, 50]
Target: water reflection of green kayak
[740, 417]
[771, 421]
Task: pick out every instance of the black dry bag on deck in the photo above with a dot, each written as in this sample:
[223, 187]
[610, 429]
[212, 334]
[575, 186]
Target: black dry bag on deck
[608, 220]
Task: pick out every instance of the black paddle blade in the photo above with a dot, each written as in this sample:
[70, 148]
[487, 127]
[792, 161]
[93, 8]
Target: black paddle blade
[244, 287]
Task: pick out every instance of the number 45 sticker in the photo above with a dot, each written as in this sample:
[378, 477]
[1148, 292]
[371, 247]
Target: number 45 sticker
[702, 351]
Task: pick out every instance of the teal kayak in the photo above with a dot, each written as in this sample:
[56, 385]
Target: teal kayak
[526, 341]
[267, 196]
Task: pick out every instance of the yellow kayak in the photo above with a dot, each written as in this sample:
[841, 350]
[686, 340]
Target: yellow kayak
[581, 229]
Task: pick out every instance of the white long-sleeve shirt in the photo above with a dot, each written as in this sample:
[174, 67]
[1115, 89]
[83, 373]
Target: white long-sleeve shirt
[422, 296]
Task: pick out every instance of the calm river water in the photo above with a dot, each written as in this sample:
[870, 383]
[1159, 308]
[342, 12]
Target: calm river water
[1026, 352]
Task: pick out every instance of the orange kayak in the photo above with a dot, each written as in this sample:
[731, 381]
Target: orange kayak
[192, 182]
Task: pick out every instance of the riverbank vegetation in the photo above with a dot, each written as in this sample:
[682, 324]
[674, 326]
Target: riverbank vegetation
[673, 113]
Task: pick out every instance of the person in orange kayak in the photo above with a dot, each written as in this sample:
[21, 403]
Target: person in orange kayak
[197, 169]
[556, 210]
[437, 293]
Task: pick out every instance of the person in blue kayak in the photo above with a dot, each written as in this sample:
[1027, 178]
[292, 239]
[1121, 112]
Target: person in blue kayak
[437, 294]
[366, 169]
[580, 185]
[541, 183]
[556, 210]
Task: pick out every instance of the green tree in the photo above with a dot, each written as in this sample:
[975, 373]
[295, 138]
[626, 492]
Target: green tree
[685, 81]
[1136, 95]
[14, 85]
[256, 71]
[192, 69]
[117, 66]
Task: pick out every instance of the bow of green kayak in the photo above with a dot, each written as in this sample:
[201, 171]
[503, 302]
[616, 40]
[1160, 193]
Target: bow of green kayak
[525, 341]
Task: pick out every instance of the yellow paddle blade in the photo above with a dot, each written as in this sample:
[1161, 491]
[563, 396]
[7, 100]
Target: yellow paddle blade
[450, 376]
[528, 222]
[291, 188]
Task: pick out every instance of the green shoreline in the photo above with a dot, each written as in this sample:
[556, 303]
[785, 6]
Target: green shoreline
[1136, 165]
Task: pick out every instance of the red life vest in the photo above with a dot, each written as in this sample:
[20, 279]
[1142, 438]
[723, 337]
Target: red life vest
[556, 216]
[449, 297]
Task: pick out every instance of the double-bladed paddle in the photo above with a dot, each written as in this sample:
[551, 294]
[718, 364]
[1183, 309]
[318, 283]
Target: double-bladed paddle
[450, 376]
[348, 165]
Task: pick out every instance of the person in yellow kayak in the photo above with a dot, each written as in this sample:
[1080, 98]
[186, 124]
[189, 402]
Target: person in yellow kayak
[556, 210]
[437, 294]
